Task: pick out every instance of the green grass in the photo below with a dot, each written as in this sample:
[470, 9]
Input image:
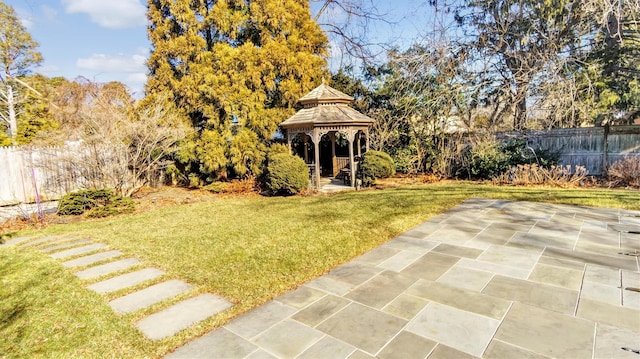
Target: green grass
[247, 249]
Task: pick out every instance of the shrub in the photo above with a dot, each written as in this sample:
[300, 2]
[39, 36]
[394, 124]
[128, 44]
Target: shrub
[488, 158]
[555, 176]
[374, 165]
[95, 203]
[286, 174]
[625, 172]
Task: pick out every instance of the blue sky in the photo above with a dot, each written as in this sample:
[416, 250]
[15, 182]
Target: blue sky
[106, 40]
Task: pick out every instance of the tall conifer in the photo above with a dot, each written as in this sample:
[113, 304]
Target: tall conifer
[236, 69]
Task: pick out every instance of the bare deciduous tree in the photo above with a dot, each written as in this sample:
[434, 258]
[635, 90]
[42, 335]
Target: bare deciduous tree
[118, 144]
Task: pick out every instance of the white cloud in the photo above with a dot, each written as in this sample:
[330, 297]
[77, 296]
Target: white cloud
[113, 14]
[118, 63]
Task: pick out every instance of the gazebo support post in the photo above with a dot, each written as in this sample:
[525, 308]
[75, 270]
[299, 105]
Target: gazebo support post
[352, 164]
[316, 144]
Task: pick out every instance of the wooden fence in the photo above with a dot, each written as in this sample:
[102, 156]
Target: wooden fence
[27, 174]
[594, 148]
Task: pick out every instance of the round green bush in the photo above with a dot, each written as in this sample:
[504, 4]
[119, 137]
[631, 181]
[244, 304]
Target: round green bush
[94, 202]
[374, 165]
[286, 174]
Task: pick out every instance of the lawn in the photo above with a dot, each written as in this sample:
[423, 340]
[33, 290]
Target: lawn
[246, 249]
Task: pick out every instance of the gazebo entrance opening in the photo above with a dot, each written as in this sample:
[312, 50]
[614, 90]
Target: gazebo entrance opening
[333, 151]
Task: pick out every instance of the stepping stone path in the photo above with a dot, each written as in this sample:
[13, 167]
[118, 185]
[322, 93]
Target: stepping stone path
[83, 252]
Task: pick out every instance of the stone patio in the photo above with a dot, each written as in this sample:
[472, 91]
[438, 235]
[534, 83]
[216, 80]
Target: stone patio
[489, 278]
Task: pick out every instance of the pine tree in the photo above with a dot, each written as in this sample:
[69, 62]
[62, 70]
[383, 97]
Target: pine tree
[236, 69]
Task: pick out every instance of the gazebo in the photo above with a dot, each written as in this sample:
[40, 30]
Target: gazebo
[326, 114]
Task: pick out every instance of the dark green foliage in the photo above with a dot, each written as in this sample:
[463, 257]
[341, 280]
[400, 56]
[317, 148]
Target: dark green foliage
[488, 159]
[95, 202]
[286, 174]
[374, 165]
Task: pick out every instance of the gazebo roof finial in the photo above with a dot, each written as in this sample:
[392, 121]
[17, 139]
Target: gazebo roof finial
[325, 94]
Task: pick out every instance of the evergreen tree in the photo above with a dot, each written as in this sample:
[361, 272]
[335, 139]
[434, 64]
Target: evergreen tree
[236, 69]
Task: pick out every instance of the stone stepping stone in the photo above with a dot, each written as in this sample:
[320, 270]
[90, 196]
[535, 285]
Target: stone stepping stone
[125, 280]
[79, 250]
[66, 245]
[17, 240]
[41, 240]
[149, 296]
[107, 268]
[87, 260]
[181, 315]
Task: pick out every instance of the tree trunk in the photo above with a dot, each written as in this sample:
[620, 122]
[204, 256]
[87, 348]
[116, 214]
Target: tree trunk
[520, 115]
[13, 122]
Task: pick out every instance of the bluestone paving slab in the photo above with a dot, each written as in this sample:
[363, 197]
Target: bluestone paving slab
[621, 317]
[558, 276]
[453, 235]
[400, 261]
[219, 343]
[260, 354]
[288, 339]
[149, 296]
[602, 275]
[630, 298]
[328, 347]
[478, 303]
[354, 273]
[611, 340]
[260, 319]
[377, 255]
[359, 354]
[181, 315]
[77, 251]
[321, 310]
[445, 352]
[330, 285]
[630, 279]
[601, 293]
[547, 332]
[125, 281]
[619, 261]
[448, 325]
[458, 251]
[539, 295]
[465, 278]
[407, 345]
[406, 306]
[363, 327]
[301, 297]
[430, 266]
[411, 244]
[500, 350]
[563, 263]
[107, 268]
[512, 257]
[91, 259]
[66, 245]
[630, 242]
[494, 268]
[535, 240]
[381, 290]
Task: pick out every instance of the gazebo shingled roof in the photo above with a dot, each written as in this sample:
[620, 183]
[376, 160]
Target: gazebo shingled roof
[326, 110]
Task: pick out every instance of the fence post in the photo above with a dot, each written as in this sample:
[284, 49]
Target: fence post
[605, 149]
